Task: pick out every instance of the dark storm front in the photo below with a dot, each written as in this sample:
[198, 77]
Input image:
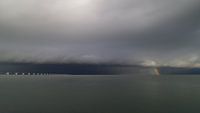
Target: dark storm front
[100, 94]
[74, 69]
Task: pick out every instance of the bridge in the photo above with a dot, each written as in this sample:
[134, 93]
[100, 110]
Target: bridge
[23, 73]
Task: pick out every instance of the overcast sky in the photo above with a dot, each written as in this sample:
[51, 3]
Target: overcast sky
[149, 32]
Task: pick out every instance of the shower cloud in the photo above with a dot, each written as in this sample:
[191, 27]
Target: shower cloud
[155, 32]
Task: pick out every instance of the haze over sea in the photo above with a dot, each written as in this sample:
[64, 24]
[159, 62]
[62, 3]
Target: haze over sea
[100, 94]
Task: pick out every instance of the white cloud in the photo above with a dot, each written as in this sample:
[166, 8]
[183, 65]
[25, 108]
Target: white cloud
[149, 63]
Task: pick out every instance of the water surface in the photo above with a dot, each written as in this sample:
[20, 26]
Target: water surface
[100, 94]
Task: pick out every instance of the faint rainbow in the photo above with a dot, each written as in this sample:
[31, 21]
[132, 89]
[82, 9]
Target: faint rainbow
[156, 71]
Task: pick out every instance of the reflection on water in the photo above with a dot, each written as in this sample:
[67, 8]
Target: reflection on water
[100, 94]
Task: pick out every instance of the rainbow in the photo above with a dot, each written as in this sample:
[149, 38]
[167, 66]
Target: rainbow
[156, 71]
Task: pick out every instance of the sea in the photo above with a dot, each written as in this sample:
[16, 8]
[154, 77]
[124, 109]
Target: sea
[100, 94]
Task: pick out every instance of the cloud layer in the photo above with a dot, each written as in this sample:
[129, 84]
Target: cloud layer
[100, 31]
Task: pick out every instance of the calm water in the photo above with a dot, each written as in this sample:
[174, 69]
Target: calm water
[100, 94]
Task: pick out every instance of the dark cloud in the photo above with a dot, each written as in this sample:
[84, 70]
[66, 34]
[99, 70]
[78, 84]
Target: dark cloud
[122, 31]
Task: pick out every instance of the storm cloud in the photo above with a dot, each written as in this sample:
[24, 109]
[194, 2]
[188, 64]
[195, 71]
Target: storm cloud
[149, 32]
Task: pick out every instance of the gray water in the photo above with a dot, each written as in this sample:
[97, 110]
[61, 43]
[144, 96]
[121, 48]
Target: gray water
[100, 94]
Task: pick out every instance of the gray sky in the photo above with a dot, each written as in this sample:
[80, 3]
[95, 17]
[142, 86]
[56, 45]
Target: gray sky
[149, 32]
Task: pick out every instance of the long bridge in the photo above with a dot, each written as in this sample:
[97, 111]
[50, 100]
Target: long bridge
[23, 73]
